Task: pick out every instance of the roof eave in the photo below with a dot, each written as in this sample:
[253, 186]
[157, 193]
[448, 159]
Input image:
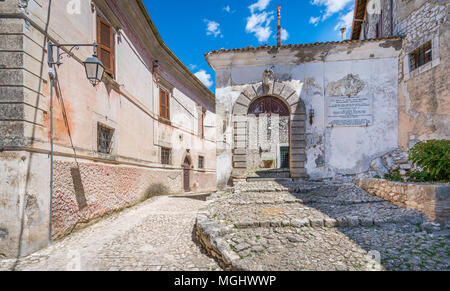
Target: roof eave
[171, 54]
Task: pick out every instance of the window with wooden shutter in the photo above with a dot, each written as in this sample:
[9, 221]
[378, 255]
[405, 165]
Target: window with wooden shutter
[201, 124]
[106, 45]
[164, 104]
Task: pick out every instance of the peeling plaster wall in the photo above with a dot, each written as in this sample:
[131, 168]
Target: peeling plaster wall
[129, 104]
[424, 93]
[24, 203]
[365, 69]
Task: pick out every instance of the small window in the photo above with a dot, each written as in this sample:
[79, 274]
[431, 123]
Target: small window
[164, 104]
[201, 162]
[106, 45]
[165, 156]
[421, 56]
[105, 137]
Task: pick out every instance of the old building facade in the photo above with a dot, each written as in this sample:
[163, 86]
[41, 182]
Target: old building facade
[424, 95]
[149, 125]
[355, 107]
[342, 110]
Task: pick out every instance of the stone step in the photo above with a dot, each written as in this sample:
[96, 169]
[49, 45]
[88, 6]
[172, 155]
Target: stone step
[345, 221]
[261, 179]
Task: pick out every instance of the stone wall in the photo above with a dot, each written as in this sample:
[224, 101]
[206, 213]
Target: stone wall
[85, 191]
[433, 200]
[424, 110]
[319, 74]
[209, 235]
[127, 104]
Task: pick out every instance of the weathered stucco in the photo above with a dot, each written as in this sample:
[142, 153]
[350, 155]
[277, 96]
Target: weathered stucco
[424, 93]
[128, 103]
[424, 111]
[345, 68]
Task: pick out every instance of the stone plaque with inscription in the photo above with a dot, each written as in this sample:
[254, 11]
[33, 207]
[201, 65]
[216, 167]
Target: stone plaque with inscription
[349, 111]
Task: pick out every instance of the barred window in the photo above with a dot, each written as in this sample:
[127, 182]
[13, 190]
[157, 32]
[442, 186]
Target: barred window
[165, 156]
[201, 162]
[105, 137]
[421, 56]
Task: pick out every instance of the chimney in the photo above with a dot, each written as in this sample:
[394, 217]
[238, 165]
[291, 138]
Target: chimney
[344, 33]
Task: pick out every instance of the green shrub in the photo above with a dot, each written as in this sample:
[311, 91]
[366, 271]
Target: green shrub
[419, 176]
[394, 176]
[433, 157]
[377, 177]
[157, 190]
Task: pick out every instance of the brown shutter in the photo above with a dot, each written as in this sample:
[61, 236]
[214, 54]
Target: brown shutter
[203, 125]
[164, 104]
[106, 45]
[167, 105]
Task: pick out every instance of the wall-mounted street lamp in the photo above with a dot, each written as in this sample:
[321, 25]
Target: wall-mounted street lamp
[94, 69]
[93, 66]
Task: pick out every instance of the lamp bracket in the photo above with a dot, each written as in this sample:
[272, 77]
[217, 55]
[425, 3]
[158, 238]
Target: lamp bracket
[60, 55]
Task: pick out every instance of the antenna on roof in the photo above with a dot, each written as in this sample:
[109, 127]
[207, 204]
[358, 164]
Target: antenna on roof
[279, 27]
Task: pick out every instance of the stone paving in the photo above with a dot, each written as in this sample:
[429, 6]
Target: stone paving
[257, 226]
[317, 226]
[155, 235]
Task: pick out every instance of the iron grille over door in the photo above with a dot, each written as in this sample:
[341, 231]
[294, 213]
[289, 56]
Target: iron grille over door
[268, 105]
[284, 156]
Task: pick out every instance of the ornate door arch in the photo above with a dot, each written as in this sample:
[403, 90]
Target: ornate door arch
[268, 105]
[267, 96]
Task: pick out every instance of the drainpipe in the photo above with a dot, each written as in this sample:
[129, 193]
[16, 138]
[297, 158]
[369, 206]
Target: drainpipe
[392, 17]
[52, 74]
[363, 28]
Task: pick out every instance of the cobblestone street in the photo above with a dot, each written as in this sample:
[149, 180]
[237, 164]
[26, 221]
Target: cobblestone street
[155, 235]
[269, 226]
[261, 226]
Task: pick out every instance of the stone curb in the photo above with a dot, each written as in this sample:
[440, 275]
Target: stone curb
[208, 233]
[348, 221]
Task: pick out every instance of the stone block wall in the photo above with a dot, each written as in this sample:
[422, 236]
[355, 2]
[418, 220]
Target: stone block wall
[86, 191]
[433, 200]
[424, 110]
[88, 184]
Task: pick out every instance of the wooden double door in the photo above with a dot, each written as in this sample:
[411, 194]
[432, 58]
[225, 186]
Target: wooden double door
[187, 175]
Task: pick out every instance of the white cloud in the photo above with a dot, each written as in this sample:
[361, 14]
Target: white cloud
[193, 67]
[212, 28]
[331, 6]
[227, 8]
[314, 20]
[345, 20]
[204, 77]
[260, 5]
[259, 23]
[284, 34]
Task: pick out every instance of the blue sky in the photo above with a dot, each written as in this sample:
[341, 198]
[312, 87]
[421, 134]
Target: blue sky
[193, 28]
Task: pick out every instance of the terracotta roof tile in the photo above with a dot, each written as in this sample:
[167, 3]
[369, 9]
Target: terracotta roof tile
[287, 46]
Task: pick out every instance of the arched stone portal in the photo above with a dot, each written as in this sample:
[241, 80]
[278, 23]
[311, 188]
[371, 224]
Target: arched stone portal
[297, 113]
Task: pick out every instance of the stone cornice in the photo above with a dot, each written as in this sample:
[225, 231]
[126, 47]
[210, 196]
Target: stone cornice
[308, 53]
[159, 50]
